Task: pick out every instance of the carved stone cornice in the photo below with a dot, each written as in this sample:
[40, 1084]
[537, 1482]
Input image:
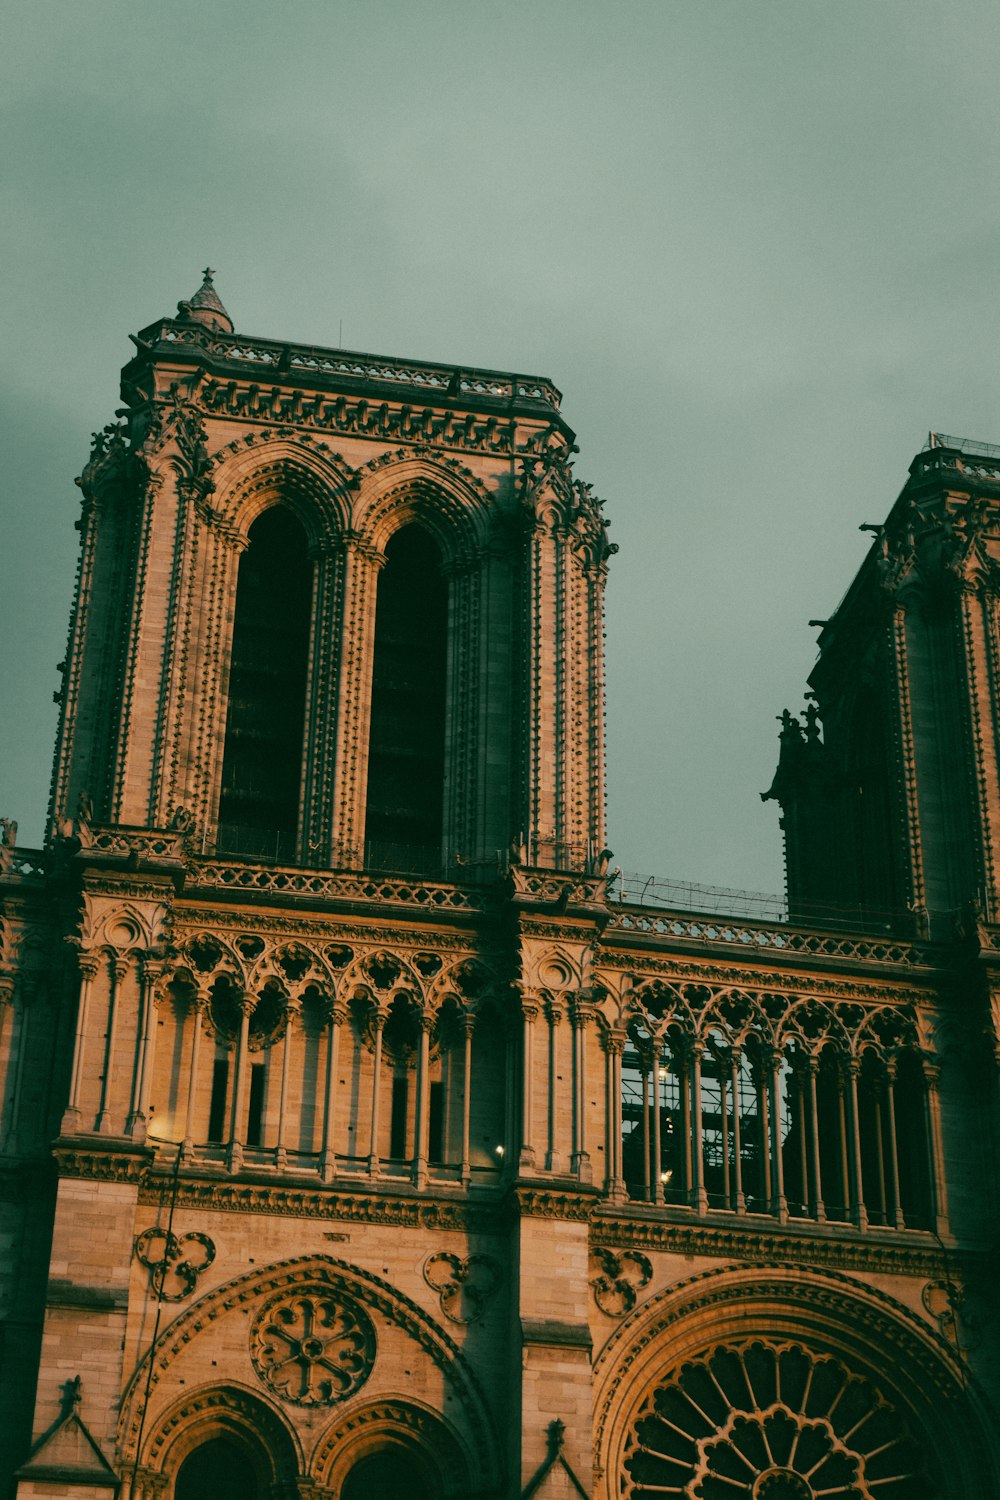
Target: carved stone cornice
[910, 1253]
[763, 977]
[223, 1195]
[577, 1204]
[110, 1162]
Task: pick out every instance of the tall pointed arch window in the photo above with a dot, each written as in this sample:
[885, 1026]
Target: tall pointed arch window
[405, 803]
[262, 760]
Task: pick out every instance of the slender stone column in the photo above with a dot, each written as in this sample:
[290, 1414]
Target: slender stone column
[118, 967]
[236, 1141]
[932, 1110]
[682, 1060]
[468, 1025]
[779, 1203]
[741, 1202]
[614, 1046]
[201, 1003]
[816, 1208]
[801, 1086]
[890, 1114]
[149, 973]
[644, 1066]
[727, 1197]
[293, 1009]
[580, 1163]
[336, 1019]
[858, 1213]
[845, 1181]
[698, 1194]
[555, 1155]
[374, 1162]
[657, 1108]
[6, 999]
[420, 1153]
[529, 1013]
[764, 1125]
[28, 987]
[876, 1093]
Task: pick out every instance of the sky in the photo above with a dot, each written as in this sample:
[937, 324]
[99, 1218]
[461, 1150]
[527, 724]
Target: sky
[754, 244]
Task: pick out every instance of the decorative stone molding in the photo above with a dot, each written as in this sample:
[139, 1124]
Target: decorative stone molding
[214, 1412]
[555, 1203]
[424, 1435]
[784, 1422]
[312, 1347]
[172, 1265]
[321, 1277]
[106, 1164]
[223, 1196]
[830, 1314]
[621, 1276]
[464, 1285]
[919, 1254]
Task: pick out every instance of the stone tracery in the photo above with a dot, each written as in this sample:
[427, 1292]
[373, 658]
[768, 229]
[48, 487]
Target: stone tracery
[760, 1419]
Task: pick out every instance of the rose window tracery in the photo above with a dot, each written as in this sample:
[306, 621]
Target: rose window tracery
[760, 1422]
[314, 1349]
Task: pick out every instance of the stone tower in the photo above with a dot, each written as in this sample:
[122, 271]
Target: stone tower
[895, 807]
[447, 495]
[356, 1133]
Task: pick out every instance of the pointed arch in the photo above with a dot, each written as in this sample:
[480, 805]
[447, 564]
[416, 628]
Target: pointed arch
[874, 1338]
[445, 497]
[466, 1398]
[312, 482]
[258, 1429]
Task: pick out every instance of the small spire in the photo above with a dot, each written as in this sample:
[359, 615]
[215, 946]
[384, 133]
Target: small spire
[206, 307]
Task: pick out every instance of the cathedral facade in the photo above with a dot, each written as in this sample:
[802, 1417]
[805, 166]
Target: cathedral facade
[357, 1137]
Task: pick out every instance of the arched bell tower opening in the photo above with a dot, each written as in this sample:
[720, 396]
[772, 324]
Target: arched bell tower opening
[262, 760]
[404, 808]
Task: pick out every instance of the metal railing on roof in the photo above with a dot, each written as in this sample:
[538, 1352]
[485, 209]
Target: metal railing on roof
[964, 445]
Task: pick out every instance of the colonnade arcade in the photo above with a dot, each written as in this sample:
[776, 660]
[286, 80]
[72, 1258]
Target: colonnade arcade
[791, 1106]
[344, 1058]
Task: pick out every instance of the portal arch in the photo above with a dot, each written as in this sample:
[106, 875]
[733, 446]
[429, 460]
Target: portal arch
[194, 1437]
[754, 1348]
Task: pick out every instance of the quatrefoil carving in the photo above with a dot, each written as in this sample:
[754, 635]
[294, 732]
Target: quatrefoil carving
[464, 1286]
[174, 1264]
[620, 1280]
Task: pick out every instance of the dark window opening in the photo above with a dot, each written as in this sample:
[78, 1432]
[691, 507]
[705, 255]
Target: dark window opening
[219, 1468]
[255, 1113]
[435, 1131]
[405, 807]
[217, 1108]
[262, 761]
[386, 1474]
[397, 1128]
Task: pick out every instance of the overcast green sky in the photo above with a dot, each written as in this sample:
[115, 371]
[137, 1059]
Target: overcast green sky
[755, 242]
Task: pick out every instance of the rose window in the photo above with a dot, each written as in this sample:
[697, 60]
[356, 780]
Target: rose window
[764, 1423]
[313, 1349]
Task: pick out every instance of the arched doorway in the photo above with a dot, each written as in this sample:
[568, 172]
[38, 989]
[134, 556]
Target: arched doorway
[219, 1469]
[384, 1475]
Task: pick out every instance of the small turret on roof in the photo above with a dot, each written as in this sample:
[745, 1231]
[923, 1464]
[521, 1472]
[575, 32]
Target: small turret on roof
[205, 307]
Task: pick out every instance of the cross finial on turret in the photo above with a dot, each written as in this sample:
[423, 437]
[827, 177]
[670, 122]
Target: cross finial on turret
[205, 307]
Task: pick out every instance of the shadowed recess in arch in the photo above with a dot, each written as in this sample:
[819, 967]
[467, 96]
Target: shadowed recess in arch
[262, 763]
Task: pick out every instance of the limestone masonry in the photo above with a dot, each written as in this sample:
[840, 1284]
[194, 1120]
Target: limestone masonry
[359, 1136]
